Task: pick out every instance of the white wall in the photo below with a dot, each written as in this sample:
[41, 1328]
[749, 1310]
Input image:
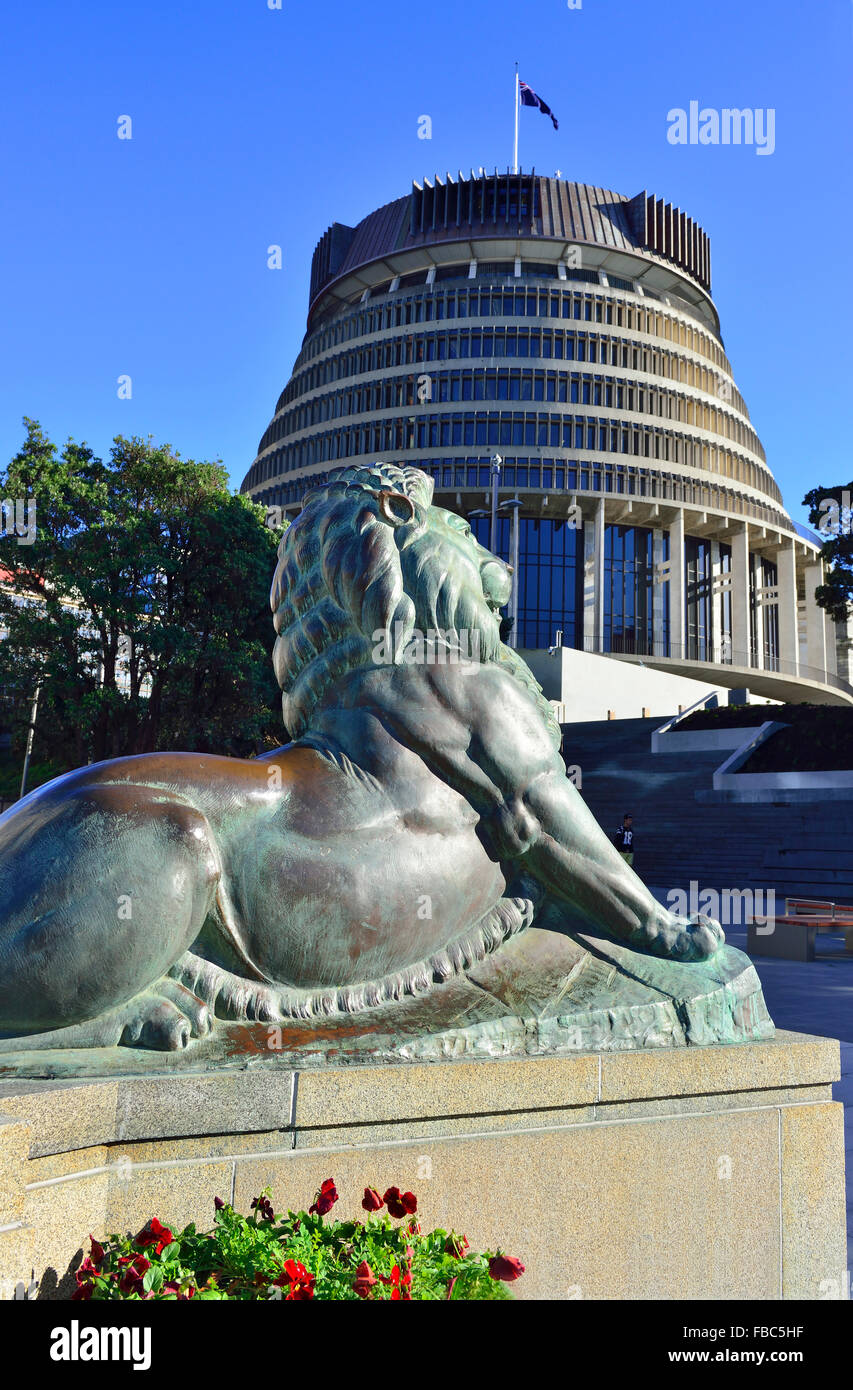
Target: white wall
[590, 685]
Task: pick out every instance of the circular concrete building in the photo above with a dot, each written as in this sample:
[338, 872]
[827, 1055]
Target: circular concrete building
[561, 341]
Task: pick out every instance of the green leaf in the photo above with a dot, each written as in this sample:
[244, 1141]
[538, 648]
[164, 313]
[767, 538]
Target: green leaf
[152, 1279]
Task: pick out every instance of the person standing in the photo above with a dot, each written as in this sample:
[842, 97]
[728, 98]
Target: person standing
[624, 839]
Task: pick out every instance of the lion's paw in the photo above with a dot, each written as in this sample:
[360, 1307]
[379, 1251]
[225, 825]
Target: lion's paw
[165, 1018]
[688, 938]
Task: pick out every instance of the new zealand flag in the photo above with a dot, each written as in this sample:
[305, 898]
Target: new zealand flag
[529, 98]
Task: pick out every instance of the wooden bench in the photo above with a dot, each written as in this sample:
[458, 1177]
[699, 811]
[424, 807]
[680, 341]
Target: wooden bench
[792, 935]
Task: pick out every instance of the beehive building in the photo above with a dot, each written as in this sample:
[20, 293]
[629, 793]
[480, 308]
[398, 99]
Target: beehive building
[565, 336]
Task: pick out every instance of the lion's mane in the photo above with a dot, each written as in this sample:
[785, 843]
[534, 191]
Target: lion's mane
[344, 572]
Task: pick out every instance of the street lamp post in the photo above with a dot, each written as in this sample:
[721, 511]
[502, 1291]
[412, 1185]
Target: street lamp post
[495, 468]
[513, 504]
[30, 733]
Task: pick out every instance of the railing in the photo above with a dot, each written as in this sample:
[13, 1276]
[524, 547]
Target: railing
[709, 701]
[809, 907]
[620, 476]
[628, 644]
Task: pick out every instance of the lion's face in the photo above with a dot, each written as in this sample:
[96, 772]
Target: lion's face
[370, 551]
[485, 569]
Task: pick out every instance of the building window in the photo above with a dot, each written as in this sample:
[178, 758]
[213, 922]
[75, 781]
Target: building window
[628, 591]
[698, 606]
[764, 614]
[550, 578]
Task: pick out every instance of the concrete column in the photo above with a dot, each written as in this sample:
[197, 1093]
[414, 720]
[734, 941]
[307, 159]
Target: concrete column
[593, 579]
[740, 597]
[757, 587]
[789, 642]
[830, 631]
[676, 585]
[815, 625]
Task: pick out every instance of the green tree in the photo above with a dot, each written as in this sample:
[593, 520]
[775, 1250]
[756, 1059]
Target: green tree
[147, 562]
[830, 514]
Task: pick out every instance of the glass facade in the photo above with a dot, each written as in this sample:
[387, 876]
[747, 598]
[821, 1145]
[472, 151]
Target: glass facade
[699, 626]
[550, 578]
[355, 401]
[764, 614]
[633, 622]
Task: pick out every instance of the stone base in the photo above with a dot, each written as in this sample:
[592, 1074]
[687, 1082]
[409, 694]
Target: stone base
[707, 1172]
[787, 941]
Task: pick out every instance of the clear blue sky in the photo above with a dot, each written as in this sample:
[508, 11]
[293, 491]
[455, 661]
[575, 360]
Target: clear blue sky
[254, 126]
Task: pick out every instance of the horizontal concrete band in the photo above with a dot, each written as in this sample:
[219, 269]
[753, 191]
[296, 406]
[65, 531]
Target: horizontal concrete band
[378, 1102]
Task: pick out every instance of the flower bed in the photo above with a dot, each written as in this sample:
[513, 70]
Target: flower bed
[297, 1257]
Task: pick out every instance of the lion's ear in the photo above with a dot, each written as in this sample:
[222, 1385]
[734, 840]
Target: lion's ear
[395, 507]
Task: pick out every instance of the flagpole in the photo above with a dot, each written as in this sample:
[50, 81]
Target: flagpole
[515, 144]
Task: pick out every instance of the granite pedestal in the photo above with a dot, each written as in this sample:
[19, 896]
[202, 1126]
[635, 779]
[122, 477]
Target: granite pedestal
[692, 1172]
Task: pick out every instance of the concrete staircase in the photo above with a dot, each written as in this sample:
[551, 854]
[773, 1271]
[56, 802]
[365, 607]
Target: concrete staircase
[800, 850]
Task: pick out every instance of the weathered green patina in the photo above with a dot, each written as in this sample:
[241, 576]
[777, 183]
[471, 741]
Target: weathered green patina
[371, 886]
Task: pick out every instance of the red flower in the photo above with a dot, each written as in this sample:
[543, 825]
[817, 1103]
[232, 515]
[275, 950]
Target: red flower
[218, 1203]
[505, 1267]
[455, 1245]
[263, 1206]
[300, 1279]
[131, 1280]
[365, 1280]
[371, 1201]
[97, 1250]
[82, 1293]
[154, 1234]
[400, 1283]
[300, 1293]
[400, 1204]
[325, 1199]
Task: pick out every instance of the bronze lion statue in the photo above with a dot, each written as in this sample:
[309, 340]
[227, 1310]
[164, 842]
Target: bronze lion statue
[420, 817]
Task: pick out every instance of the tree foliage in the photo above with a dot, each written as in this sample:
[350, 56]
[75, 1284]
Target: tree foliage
[146, 561]
[830, 514]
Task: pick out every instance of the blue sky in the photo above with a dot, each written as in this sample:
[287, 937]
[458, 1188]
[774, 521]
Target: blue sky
[255, 126]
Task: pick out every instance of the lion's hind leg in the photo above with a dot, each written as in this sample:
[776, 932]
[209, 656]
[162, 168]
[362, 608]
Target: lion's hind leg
[101, 894]
[232, 996]
[165, 1018]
